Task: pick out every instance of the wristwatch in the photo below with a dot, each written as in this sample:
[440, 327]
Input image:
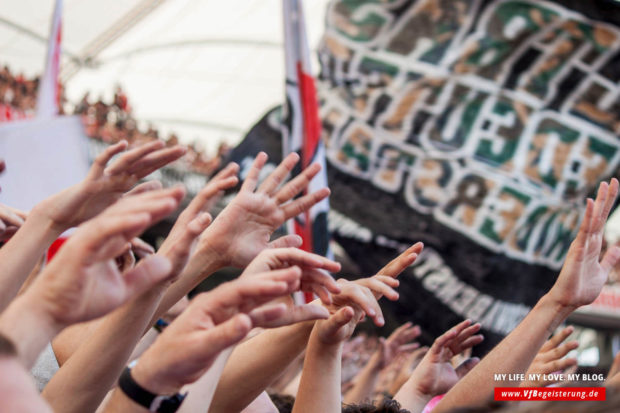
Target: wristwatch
[151, 401]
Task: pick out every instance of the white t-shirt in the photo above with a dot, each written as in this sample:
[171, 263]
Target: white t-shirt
[45, 367]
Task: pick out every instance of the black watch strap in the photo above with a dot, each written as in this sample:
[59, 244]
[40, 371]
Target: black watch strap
[151, 401]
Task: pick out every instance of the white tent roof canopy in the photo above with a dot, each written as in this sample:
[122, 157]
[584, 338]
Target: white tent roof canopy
[205, 69]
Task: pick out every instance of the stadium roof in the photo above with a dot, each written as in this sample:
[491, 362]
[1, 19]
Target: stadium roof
[201, 68]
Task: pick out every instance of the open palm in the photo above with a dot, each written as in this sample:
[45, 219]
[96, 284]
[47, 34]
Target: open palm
[435, 374]
[584, 274]
[104, 184]
[244, 227]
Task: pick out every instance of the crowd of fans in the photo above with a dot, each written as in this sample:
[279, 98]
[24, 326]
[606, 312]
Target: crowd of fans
[106, 326]
[107, 122]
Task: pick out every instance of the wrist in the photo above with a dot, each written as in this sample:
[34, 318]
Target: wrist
[556, 309]
[207, 258]
[421, 395]
[413, 396]
[41, 219]
[28, 324]
[150, 379]
[375, 361]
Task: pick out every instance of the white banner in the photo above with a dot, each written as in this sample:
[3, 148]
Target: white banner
[43, 156]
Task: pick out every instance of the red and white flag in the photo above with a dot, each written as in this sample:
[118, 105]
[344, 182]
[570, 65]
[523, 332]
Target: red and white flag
[301, 130]
[48, 99]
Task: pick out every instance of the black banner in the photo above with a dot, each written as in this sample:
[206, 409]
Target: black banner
[477, 127]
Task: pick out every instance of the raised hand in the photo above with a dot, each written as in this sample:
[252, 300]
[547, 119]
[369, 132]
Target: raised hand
[212, 322]
[411, 362]
[361, 295]
[551, 359]
[83, 281]
[435, 374]
[583, 273]
[244, 227]
[286, 313]
[314, 276]
[105, 184]
[397, 343]
[404, 260]
[192, 222]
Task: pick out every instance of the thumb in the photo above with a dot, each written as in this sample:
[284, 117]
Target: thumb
[292, 315]
[466, 366]
[146, 274]
[226, 334]
[338, 320]
[268, 315]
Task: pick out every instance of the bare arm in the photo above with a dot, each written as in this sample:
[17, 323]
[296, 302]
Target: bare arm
[83, 281]
[579, 283]
[259, 361]
[319, 389]
[102, 187]
[366, 380]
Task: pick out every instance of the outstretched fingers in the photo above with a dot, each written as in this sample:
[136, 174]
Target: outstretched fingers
[446, 339]
[208, 195]
[598, 220]
[467, 366]
[125, 161]
[559, 352]
[298, 206]
[337, 321]
[251, 180]
[290, 315]
[404, 260]
[297, 184]
[100, 162]
[612, 193]
[557, 339]
[153, 161]
[318, 277]
[381, 286]
[147, 273]
[273, 181]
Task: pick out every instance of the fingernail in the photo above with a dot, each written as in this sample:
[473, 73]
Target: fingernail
[380, 320]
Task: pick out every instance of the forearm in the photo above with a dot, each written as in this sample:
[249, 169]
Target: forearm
[20, 255]
[256, 363]
[200, 393]
[319, 389]
[365, 382]
[99, 361]
[196, 271]
[410, 398]
[119, 403]
[72, 337]
[513, 355]
[29, 327]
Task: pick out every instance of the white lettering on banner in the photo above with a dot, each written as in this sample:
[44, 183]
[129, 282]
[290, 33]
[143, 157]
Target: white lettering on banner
[498, 316]
[505, 161]
[437, 278]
